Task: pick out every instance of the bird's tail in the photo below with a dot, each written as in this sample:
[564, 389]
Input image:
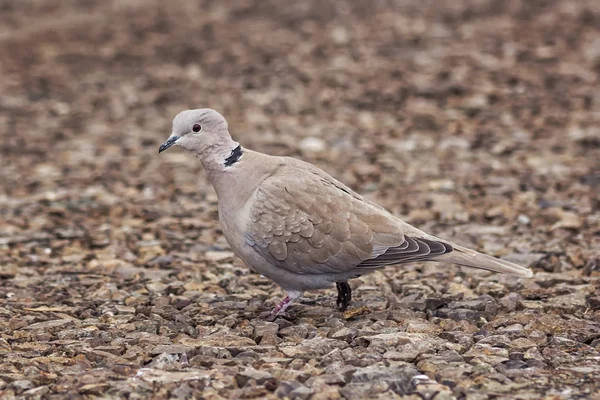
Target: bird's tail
[470, 258]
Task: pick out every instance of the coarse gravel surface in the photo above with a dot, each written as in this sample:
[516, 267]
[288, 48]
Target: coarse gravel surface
[477, 121]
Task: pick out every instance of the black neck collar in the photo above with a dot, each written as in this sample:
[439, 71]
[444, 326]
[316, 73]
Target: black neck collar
[234, 157]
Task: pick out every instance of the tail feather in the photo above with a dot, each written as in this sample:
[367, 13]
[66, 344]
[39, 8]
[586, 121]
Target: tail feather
[470, 258]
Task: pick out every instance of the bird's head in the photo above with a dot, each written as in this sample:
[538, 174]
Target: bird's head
[197, 131]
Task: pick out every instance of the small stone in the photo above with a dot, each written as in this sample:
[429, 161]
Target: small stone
[51, 326]
[498, 211]
[218, 340]
[217, 256]
[250, 355]
[327, 379]
[458, 314]
[183, 391]
[400, 379]
[77, 334]
[312, 145]
[265, 333]
[513, 329]
[523, 219]
[180, 302]
[125, 309]
[490, 288]
[156, 287]
[539, 338]
[21, 385]
[495, 341]
[510, 301]
[476, 102]
[532, 304]
[533, 354]
[419, 216]
[390, 339]
[170, 349]
[515, 364]
[4, 345]
[487, 354]
[161, 261]
[317, 346]
[37, 392]
[442, 185]
[433, 303]
[260, 377]
[8, 271]
[340, 35]
[431, 389]
[450, 356]
[355, 312]
[346, 334]
[423, 326]
[94, 388]
[162, 376]
[522, 344]
[562, 219]
[293, 390]
[399, 356]
[110, 349]
[295, 331]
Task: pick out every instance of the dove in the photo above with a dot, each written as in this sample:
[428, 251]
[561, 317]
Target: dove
[297, 225]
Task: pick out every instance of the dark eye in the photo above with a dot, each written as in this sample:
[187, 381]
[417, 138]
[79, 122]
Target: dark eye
[196, 128]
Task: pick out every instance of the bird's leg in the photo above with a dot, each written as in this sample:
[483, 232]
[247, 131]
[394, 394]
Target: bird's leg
[344, 295]
[285, 303]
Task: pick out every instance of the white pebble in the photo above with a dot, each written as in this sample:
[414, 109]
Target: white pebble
[312, 145]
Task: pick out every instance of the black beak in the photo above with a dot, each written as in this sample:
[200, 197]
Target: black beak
[170, 142]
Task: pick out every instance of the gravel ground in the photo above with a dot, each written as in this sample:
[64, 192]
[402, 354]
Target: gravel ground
[478, 121]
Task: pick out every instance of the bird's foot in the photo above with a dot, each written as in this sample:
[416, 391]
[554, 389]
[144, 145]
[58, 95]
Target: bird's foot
[281, 307]
[344, 295]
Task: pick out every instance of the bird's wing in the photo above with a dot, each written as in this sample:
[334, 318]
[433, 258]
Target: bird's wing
[303, 220]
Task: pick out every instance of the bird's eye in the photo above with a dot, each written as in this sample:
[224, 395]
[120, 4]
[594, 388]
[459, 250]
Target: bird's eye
[196, 128]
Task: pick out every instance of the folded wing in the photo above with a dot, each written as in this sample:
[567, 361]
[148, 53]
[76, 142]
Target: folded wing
[308, 223]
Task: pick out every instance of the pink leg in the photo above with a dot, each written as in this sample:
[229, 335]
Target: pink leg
[285, 303]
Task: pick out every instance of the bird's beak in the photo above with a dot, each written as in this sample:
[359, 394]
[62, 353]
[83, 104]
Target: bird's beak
[170, 142]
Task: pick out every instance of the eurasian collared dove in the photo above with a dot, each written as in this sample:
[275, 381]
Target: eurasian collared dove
[295, 224]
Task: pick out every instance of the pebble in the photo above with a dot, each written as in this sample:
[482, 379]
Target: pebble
[312, 145]
[251, 374]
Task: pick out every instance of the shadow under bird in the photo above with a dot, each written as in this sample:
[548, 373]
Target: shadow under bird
[295, 224]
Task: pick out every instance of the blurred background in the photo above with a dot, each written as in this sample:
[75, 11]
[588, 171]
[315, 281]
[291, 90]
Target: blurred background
[477, 120]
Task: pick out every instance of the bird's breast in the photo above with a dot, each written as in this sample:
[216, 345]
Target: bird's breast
[233, 223]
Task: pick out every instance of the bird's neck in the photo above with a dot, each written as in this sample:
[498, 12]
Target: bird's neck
[220, 157]
[234, 184]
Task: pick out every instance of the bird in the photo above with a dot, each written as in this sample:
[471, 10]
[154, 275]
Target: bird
[297, 225]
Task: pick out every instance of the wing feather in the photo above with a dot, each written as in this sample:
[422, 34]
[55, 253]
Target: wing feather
[310, 224]
[417, 249]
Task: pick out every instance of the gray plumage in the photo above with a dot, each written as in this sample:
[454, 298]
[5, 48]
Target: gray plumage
[300, 227]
